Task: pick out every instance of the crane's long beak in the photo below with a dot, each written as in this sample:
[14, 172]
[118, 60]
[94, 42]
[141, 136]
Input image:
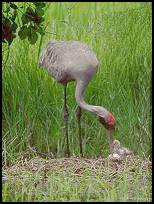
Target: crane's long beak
[110, 133]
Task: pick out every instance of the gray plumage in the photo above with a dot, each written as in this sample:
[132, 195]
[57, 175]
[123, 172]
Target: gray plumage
[72, 60]
[75, 61]
[69, 60]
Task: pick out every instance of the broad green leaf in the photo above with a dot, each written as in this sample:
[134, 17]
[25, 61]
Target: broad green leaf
[40, 12]
[32, 36]
[39, 4]
[23, 32]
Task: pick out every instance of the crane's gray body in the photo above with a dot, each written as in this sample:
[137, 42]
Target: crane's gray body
[72, 60]
[69, 60]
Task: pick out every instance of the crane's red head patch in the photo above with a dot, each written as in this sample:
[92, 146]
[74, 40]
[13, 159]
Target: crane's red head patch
[110, 119]
[108, 122]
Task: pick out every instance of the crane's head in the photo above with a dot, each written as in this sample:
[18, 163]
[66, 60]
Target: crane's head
[108, 121]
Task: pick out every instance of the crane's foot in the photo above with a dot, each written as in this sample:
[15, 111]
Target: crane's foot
[78, 115]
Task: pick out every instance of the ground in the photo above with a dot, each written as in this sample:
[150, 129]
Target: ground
[80, 179]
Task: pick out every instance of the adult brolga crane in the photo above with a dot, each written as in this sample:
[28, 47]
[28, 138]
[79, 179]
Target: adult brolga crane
[74, 61]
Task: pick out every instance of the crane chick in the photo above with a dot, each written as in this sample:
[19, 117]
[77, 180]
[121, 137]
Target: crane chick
[119, 152]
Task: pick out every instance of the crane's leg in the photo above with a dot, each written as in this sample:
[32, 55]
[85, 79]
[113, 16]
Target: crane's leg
[78, 115]
[66, 114]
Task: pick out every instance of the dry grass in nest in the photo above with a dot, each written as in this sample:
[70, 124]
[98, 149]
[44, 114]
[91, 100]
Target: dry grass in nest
[78, 165]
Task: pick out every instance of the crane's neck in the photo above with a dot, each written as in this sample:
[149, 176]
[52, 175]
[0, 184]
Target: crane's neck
[105, 117]
[98, 110]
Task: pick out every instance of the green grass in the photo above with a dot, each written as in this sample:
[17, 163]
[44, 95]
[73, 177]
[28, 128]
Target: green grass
[121, 36]
[63, 186]
[37, 180]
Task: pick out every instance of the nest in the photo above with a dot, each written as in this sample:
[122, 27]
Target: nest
[78, 165]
